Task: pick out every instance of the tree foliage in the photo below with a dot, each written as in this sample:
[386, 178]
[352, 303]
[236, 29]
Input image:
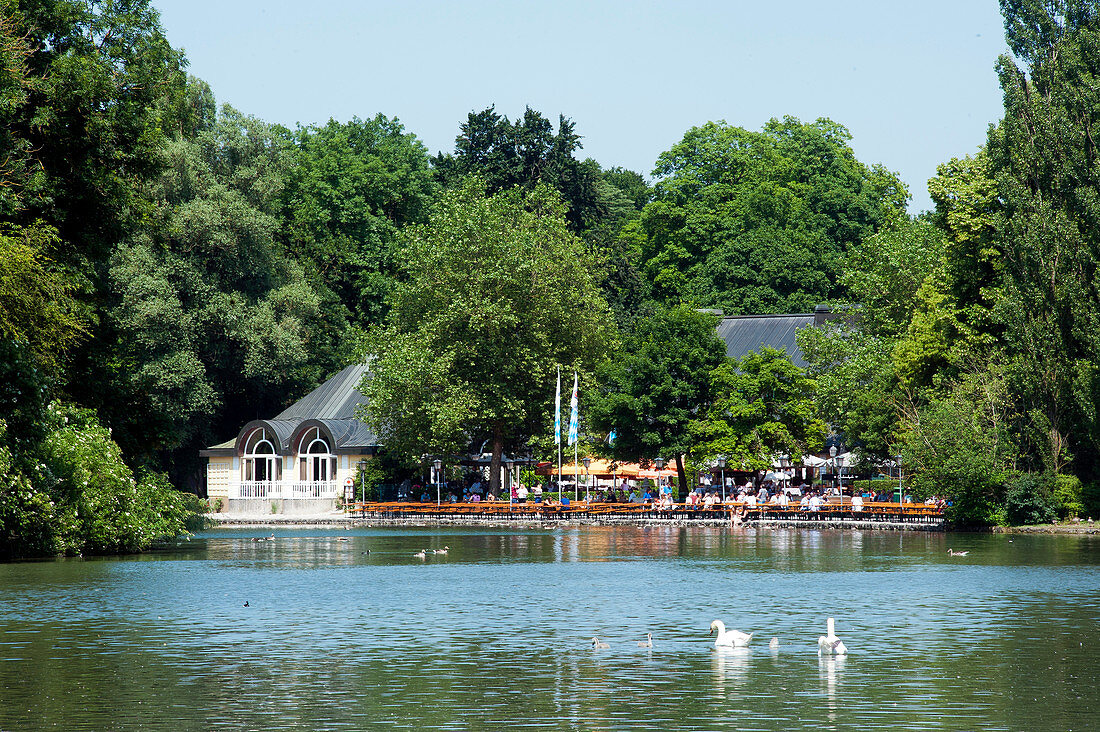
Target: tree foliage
[655, 392]
[758, 222]
[349, 190]
[495, 294]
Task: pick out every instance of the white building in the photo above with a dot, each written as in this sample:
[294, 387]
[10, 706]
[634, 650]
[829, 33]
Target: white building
[309, 451]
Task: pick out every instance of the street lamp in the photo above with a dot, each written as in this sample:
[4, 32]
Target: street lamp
[510, 482]
[832, 454]
[587, 476]
[901, 493]
[722, 467]
[660, 463]
[438, 465]
[363, 480]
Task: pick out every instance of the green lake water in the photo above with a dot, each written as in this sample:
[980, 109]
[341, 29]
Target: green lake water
[496, 633]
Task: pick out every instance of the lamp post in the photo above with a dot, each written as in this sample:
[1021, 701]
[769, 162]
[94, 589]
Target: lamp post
[901, 493]
[362, 480]
[832, 454]
[660, 463]
[510, 482]
[438, 465]
[587, 477]
[722, 467]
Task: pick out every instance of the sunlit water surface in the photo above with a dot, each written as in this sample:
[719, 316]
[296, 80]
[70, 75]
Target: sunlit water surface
[498, 632]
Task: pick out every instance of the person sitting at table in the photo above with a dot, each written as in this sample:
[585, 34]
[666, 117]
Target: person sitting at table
[750, 500]
[489, 496]
[857, 504]
[804, 504]
[815, 502]
[783, 500]
[666, 502]
[475, 498]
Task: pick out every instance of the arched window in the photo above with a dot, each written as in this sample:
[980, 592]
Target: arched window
[316, 463]
[260, 463]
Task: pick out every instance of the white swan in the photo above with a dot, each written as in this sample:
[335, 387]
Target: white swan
[773, 643]
[830, 643]
[598, 644]
[729, 637]
[648, 642]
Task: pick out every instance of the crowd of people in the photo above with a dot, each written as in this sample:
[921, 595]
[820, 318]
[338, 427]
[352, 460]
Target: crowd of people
[765, 493]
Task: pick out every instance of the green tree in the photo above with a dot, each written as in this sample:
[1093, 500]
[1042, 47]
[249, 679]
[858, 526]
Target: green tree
[655, 394]
[759, 222]
[495, 294]
[351, 189]
[1043, 158]
[763, 406]
[525, 153]
[215, 324]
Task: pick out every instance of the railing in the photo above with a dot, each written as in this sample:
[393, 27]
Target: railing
[274, 489]
[886, 512]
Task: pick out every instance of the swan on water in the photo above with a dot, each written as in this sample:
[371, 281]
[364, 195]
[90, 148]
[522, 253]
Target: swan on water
[729, 637]
[830, 643]
[648, 642]
[954, 553]
[598, 644]
[773, 643]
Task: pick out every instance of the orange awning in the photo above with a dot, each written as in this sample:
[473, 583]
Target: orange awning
[599, 468]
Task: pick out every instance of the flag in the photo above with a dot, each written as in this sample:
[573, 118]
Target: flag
[611, 437]
[573, 412]
[557, 411]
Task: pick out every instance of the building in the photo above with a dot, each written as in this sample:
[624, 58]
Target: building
[745, 333]
[310, 450]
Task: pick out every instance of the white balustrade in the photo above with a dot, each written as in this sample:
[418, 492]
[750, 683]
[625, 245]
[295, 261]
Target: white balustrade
[273, 489]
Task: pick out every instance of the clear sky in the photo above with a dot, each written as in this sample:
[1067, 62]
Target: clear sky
[913, 81]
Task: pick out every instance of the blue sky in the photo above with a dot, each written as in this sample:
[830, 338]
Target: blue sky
[913, 82]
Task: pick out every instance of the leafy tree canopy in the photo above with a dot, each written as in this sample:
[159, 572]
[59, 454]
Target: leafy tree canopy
[350, 190]
[659, 387]
[495, 294]
[758, 222]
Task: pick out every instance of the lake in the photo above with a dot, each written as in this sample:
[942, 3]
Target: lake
[497, 632]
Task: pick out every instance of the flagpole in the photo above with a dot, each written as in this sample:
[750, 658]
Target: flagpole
[557, 425]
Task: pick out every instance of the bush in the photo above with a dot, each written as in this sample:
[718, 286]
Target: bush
[1066, 490]
[1090, 499]
[1028, 500]
[81, 497]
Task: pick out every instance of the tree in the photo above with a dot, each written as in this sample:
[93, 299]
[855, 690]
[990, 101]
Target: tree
[763, 406]
[350, 190]
[495, 294]
[215, 324]
[524, 154]
[659, 389]
[1043, 157]
[759, 222]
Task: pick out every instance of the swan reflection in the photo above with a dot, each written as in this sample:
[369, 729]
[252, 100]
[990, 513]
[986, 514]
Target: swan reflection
[731, 664]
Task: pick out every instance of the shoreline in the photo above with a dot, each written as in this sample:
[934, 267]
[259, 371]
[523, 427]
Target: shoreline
[244, 521]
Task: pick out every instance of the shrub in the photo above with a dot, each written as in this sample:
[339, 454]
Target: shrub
[1066, 490]
[1028, 499]
[1090, 499]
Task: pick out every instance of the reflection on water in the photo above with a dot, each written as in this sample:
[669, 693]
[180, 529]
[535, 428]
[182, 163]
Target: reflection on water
[348, 630]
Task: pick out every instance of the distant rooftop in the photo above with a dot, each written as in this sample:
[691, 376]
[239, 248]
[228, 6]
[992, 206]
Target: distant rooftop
[746, 333]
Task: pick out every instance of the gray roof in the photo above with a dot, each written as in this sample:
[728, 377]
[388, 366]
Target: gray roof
[332, 404]
[334, 399]
[745, 333]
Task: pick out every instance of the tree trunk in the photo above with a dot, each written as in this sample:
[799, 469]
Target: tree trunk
[681, 475]
[494, 465]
